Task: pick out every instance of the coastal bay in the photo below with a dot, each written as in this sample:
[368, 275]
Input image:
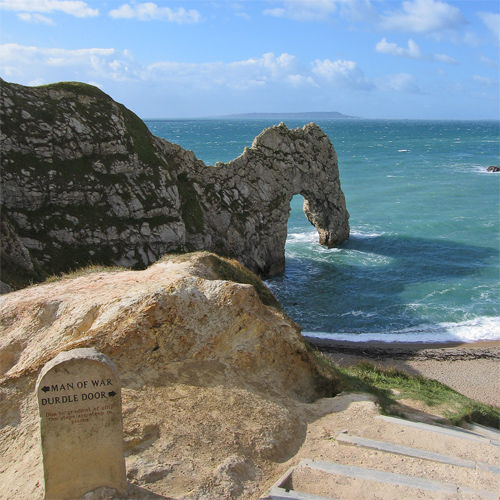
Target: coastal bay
[421, 263]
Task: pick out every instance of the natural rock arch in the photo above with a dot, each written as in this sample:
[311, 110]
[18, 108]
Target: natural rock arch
[252, 210]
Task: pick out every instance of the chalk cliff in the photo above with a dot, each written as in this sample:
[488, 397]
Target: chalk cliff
[83, 180]
[212, 378]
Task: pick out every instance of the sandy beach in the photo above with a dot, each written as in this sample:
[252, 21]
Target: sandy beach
[472, 369]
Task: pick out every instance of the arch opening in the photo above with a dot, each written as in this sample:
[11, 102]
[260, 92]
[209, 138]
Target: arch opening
[299, 227]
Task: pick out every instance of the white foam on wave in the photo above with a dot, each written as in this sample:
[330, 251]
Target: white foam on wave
[482, 328]
[308, 240]
[466, 167]
[363, 236]
[311, 236]
[305, 237]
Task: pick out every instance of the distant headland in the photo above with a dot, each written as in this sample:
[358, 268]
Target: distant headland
[307, 115]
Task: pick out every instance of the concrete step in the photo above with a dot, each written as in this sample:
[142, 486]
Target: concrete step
[408, 451]
[391, 478]
[284, 488]
[328, 480]
[283, 494]
[379, 476]
[456, 432]
[489, 432]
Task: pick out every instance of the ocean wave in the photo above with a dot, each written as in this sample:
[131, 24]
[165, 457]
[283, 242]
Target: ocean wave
[311, 236]
[467, 167]
[361, 313]
[482, 328]
[360, 235]
[303, 237]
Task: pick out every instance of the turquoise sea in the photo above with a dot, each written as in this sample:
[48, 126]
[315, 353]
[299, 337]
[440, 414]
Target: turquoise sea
[423, 259]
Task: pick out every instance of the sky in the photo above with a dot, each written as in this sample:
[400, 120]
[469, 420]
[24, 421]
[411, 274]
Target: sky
[411, 59]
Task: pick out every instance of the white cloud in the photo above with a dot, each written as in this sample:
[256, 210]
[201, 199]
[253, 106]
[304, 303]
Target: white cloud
[443, 58]
[401, 82]
[36, 82]
[420, 16]
[322, 10]
[488, 82]
[52, 64]
[100, 64]
[423, 16]
[238, 75]
[239, 11]
[276, 12]
[275, 73]
[35, 18]
[473, 39]
[342, 74]
[243, 15]
[413, 52]
[492, 22]
[304, 10]
[95, 84]
[75, 8]
[149, 11]
[300, 81]
[488, 62]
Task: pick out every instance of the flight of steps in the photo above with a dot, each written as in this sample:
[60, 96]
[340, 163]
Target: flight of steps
[401, 459]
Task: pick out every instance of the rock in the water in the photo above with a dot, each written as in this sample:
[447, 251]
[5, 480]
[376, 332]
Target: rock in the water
[84, 181]
[493, 169]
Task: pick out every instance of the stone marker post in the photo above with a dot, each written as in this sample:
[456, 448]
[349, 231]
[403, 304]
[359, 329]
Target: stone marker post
[79, 401]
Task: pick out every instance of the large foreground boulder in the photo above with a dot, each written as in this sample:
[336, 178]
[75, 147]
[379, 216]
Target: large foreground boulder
[210, 373]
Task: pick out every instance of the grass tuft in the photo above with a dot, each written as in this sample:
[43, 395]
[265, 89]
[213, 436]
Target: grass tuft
[229, 270]
[84, 271]
[232, 270]
[389, 385]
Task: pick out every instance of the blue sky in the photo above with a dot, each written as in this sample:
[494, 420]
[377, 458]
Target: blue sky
[430, 59]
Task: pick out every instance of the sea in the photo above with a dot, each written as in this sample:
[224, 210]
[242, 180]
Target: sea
[422, 263]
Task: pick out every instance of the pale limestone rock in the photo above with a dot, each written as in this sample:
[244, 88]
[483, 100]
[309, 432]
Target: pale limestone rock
[212, 379]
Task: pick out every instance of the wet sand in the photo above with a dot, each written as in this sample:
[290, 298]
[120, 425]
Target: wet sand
[472, 369]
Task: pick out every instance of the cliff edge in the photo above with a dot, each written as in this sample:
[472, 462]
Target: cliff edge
[84, 181]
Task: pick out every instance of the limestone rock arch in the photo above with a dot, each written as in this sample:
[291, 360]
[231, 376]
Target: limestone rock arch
[248, 206]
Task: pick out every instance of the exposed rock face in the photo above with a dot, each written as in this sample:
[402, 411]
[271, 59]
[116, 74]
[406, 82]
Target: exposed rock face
[83, 180]
[209, 375]
[249, 204]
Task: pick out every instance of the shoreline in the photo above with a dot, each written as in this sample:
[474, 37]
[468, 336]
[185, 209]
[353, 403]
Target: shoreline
[473, 369]
[484, 349]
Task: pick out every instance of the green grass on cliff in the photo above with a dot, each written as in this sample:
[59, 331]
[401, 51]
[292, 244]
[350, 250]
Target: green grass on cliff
[391, 385]
[77, 87]
[232, 270]
[84, 271]
[192, 214]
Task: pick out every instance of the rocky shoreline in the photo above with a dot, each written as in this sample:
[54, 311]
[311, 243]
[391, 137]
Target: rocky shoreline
[411, 351]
